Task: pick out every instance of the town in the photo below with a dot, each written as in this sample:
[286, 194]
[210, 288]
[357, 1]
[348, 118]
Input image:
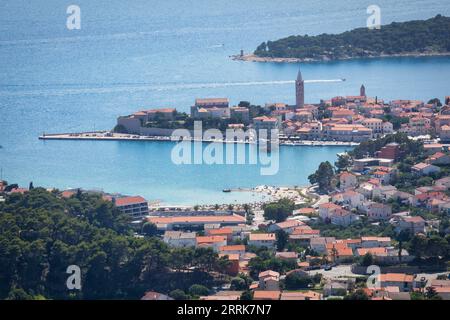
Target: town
[385, 203]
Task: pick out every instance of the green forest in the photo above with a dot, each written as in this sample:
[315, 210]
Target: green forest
[42, 233]
[430, 36]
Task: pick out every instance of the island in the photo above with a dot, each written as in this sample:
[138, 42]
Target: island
[413, 38]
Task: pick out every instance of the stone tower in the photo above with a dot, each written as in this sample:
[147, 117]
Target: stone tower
[362, 91]
[299, 91]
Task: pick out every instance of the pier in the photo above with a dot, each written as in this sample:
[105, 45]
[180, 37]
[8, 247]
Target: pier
[112, 136]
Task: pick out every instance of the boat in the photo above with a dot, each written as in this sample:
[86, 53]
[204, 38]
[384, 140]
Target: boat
[226, 190]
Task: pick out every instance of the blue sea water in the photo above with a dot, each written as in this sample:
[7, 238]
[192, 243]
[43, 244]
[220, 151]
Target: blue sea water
[131, 55]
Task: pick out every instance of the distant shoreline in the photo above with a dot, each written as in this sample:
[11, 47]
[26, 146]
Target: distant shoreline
[254, 58]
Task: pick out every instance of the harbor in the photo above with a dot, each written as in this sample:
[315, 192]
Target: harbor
[112, 136]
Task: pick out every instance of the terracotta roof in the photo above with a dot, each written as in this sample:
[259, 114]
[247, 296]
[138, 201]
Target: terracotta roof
[129, 200]
[262, 236]
[266, 295]
[239, 247]
[396, 277]
[210, 239]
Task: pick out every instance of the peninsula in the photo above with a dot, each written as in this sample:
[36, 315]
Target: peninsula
[413, 38]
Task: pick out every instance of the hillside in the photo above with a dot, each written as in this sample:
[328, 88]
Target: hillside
[421, 37]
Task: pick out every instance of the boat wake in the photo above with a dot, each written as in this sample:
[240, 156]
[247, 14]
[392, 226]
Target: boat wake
[76, 89]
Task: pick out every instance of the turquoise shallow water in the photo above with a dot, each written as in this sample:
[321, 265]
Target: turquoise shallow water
[143, 54]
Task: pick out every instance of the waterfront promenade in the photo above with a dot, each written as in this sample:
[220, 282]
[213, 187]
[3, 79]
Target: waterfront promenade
[110, 136]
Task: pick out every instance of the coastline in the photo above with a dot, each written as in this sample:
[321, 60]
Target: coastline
[109, 136]
[254, 58]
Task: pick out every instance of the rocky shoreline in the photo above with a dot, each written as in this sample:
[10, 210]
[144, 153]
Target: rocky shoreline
[255, 58]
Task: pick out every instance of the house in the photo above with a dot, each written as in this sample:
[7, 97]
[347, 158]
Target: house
[287, 226]
[403, 281]
[339, 252]
[384, 193]
[228, 295]
[191, 222]
[227, 232]
[412, 224]
[439, 158]
[373, 242]
[349, 198]
[233, 249]
[296, 295]
[326, 210]
[445, 182]
[424, 169]
[343, 218]
[152, 295]
[136, 207]
[338, 287]
[319, 244]
[266, 295]
[262, 240]
[180, 239]
[347, 180]
[290, 256]
[269, 280]
[379, 211]
[214, 242]
[442, 288]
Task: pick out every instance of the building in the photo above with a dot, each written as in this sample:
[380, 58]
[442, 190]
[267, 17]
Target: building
[424, 169]
[240, 114]
[262, 240]
[287, 226]
[404, 282]
[299, 91]
[326, 210]
[389, 151]
[343, 218]
[210, 107]
[152, 295]
[214, 242]
[136, 207]
[180, 239]
[233, 249]
[266, 295]
[347, 180]
[379, 211]
[269, 280]
[192, 222]
[412, 224]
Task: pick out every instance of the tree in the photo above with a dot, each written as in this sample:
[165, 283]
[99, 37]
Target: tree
[359, 294]
[247, 295]
[323, 176]
[294, 281]
[149, 229]
[198, 290]
[343, 162]
[178, 294]
[31, 186]
[431, 294]
[367, 260]
[282, 239]
[402, 237]
[278, 211]
[418, 246]
[238, 283]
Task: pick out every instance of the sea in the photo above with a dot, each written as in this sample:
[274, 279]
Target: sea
[134, 55]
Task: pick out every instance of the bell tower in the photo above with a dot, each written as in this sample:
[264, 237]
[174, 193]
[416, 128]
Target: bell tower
[299, 91]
